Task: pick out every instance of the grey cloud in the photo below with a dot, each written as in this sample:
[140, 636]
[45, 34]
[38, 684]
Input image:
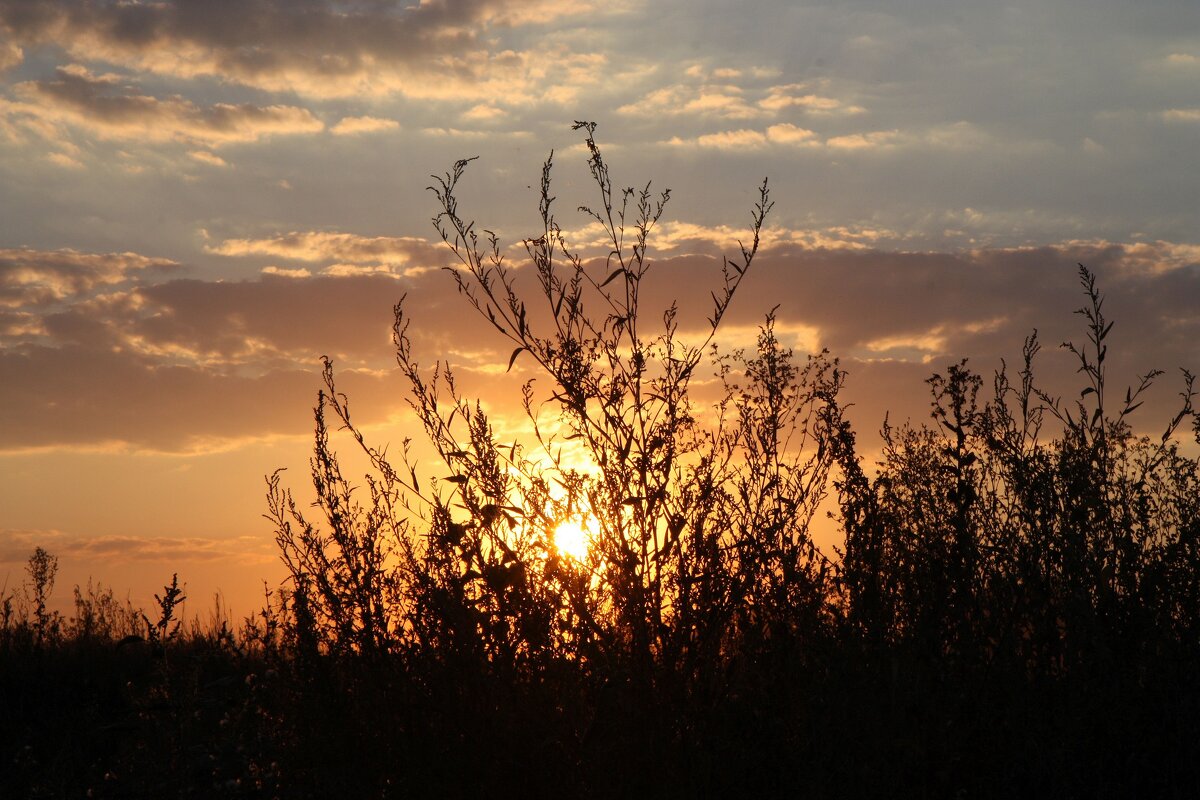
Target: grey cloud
[109, 110]
[76, 396]
[330, 48]
[350, 315]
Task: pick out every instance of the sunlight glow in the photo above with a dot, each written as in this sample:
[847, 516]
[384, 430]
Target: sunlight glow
[571, 538]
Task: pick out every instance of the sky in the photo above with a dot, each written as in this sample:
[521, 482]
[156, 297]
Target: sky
[202, 197]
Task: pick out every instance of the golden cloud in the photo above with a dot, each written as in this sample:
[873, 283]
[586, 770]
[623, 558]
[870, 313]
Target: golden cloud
[10, 53]
[30, 278]
[342, 247]
[784, 134]
[283, 272]
[355, 125]
[1182, 115]
[862, 141]
[205, 157]
[798, 95]
[483, 112]
[723, 101]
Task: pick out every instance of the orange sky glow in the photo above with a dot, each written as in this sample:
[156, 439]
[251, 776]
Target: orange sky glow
[202, 199]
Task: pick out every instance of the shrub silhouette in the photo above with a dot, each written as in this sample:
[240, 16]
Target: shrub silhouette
[982, 545]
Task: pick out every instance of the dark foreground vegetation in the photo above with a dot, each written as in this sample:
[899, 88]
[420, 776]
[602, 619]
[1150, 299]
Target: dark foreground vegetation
[1014, 610]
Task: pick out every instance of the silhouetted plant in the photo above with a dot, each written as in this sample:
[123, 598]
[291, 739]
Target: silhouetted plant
[700, 553]
[981, 544]
[991, 540]
[42, 569]
[166, 627]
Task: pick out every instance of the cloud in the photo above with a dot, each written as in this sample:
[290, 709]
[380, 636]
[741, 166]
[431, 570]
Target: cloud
[484, 112]
[800, 96]
[486, 135]
[959, 136]
[784, 134]
[35, 278]
[862, 141]
[1138, 257]
[730, 100]
[10, 54]
[674, 235]
[211, 159]
[720, 101]
[788, 134]
[17, 545]
[104, 353]
[283, 272]
[64, 160]
[732, 140]
[100, 106]
[437, 48]
[1182, 115]
[355, 125]
[398, 251]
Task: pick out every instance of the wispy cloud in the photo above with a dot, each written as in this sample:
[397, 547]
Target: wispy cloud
[484, 112]
[16, 546]
[1182, 115]
[354, 125]
[10, 53]
[871, 140]
[211, 159]
[284, 272]
[784, 134]
[104, 108]
[720, 101]
[397, 251]
[800, 96]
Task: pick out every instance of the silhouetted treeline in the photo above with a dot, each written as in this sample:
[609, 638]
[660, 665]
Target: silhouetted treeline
[1014, 610]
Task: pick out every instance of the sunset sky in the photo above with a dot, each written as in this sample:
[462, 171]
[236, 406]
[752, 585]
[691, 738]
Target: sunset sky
[202, 197]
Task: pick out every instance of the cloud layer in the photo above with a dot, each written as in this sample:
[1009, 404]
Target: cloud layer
[322, 49]
[102, 350]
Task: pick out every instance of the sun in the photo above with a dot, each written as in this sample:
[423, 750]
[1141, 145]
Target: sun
[571, 539]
